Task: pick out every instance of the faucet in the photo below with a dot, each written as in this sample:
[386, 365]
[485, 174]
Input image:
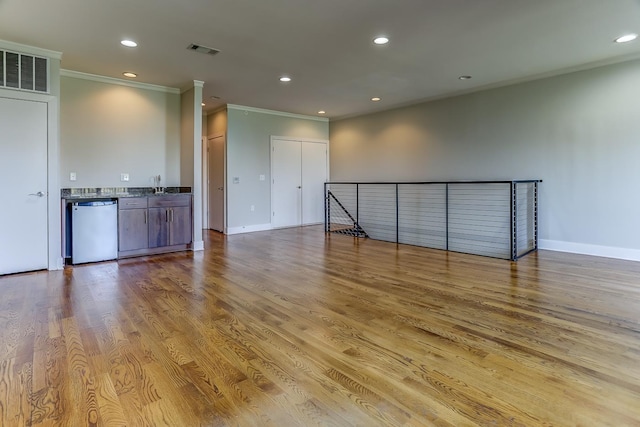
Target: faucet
[157, 189]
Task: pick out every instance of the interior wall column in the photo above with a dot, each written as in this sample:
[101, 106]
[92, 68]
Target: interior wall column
[191, 154]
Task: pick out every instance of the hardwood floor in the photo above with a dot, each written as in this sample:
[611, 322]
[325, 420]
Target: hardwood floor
[295, 328]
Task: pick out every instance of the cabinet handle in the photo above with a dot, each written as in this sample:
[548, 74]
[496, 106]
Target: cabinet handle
[171, 215]
[145, 216]
[166, 215]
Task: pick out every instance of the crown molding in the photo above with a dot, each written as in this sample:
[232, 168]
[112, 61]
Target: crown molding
[23, 48]
[196, 83]
[115, 81]
[275, 113]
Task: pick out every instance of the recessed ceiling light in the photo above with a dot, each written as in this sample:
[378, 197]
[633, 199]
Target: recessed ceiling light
[321, 112]
[128, 43]
[626, 38]
[376, 99]
[381, 40]
[130, 74]
[285, 79]
[464, 77]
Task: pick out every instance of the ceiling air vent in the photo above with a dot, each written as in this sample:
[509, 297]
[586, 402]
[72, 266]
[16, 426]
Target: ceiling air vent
[203, 49]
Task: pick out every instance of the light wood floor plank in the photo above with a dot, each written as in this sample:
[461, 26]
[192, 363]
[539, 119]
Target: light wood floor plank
[298, 328]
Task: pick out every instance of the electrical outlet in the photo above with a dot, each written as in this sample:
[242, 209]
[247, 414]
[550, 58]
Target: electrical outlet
[262, 177]
[236, 180]
[253, 208]
[124, 177]
[72, 176]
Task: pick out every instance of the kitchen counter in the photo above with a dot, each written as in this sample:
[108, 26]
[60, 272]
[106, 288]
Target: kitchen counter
[118, 192]
[168, 204]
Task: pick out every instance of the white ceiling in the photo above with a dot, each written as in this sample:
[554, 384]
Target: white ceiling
[326, 45]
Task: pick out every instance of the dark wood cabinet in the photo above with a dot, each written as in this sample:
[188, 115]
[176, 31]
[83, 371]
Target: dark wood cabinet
[169, 221]
[163, 225]
[133, 232]
[180, 228]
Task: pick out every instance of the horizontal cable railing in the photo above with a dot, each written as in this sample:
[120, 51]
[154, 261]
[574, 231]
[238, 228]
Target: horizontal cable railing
[491, 218]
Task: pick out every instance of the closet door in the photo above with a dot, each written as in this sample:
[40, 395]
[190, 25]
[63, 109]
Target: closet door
[23, 173]
[286, 185]
[314, 175]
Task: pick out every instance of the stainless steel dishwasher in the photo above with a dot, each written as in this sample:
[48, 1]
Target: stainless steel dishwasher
[94, 231]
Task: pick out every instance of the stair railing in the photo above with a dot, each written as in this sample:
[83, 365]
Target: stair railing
[491, 218]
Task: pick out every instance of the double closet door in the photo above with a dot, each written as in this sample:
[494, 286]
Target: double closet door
[298, 173]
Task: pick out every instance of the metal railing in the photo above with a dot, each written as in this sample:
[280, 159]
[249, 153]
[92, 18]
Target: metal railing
[491, 218]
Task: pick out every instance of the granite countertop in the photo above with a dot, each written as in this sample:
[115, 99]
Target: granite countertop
[119, 192]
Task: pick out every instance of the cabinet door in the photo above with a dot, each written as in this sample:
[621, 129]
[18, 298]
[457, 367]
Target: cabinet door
[158, 227]
[132, 229]
[180, 225]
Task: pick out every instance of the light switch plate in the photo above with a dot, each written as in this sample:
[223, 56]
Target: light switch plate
[72, 176]
[124, 177]
[236, 180]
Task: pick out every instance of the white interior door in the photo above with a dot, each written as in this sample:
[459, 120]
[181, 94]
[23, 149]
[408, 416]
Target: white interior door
[314, 175]
[23, 168]
[286, 185]
[216, 183]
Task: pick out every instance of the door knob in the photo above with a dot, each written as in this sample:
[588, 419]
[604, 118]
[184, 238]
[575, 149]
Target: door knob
[299, 186]
[39, 194]
[220, 188]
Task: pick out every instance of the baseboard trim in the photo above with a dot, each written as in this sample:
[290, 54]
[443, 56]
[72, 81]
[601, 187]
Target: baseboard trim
[586, 249]
[248, 228]
[197, 246]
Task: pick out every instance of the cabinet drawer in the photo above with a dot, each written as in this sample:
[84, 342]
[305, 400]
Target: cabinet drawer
[169, 201]
[132, 202]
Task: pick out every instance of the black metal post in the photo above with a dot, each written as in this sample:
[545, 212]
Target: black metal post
[535, 213]
[326, 209]
[358, 204]
[397, 216]
[514, 223]
[446, 208]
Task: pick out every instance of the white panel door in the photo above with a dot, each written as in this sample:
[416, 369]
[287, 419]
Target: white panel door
[23, 172]
[286, 185]
[314, 175]
[216, 183]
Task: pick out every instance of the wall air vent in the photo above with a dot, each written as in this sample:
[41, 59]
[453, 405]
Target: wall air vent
[203, 49]
[24, 72]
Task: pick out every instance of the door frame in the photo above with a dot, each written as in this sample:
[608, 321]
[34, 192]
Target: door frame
[206, 179]
[54, 210]
[205, 183]
[290, 138]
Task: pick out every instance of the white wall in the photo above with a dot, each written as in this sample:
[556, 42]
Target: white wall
[217, 123]
[187, 114]
[191, 154]
[249, 134]
[108, 129]
[579, 132]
